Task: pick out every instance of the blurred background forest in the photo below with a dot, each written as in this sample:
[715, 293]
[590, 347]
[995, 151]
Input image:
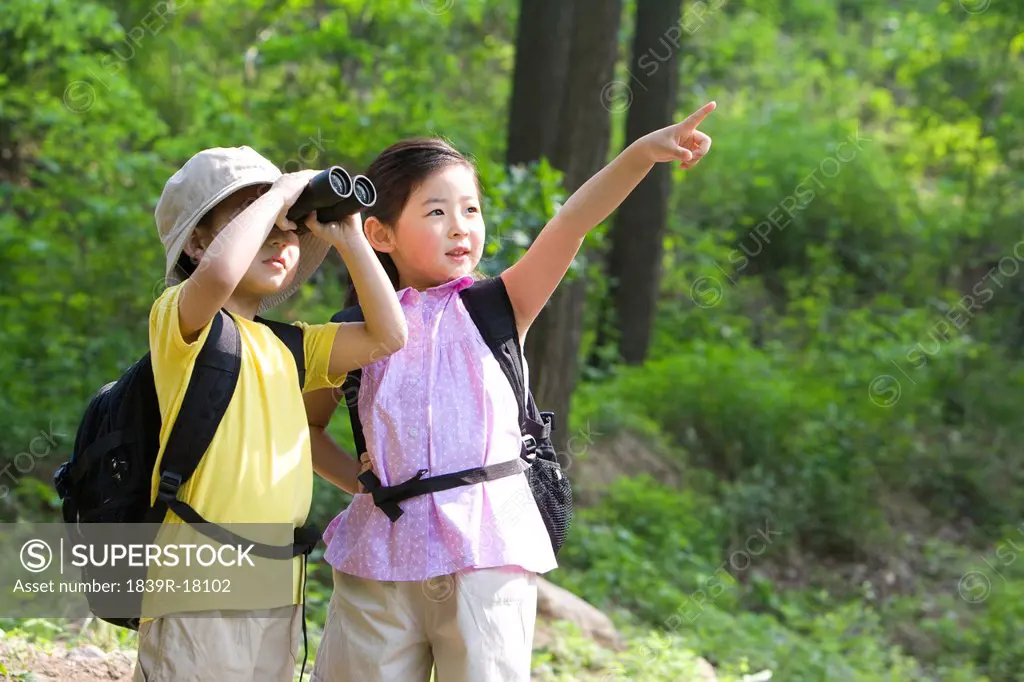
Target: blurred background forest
[787, 380]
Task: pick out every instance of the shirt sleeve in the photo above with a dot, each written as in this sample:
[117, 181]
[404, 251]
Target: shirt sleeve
[172, 356]
[318, 342]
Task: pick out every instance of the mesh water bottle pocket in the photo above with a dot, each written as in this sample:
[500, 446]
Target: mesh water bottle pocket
[553, 494]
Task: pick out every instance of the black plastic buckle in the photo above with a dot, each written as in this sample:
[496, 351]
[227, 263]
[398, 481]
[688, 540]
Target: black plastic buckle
[385, 498]
[306, 539]
[60, 480]
[529, 448]
[169, 484]
[396, 493]
[369, 480]
[549, 418]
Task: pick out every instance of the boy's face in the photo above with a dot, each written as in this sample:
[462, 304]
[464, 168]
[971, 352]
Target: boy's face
[275, 265]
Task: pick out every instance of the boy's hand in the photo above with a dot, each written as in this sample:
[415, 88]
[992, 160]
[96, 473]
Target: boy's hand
[679, 142]
[336, 233]
[289, 187]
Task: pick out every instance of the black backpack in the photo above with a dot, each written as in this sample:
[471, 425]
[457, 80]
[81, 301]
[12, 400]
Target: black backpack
[488, 304]
[108, 477]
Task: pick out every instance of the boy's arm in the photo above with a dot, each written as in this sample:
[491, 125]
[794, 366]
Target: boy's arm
[228, 257]
[330, 462]
[384, 331]
[531, 281]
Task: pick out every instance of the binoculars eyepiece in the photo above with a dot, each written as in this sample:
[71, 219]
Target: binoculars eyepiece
[334, 195]
[363, 195]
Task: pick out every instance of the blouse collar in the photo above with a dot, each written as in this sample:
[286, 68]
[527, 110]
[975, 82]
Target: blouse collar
[458, 284]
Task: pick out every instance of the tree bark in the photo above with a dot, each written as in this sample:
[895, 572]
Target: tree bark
[580, 150]
[584, 124]
[634, 261]
[542, 56]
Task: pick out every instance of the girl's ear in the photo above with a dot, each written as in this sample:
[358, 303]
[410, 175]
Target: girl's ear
[380, 236]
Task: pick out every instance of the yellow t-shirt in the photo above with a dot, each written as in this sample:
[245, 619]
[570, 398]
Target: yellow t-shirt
[258, 468]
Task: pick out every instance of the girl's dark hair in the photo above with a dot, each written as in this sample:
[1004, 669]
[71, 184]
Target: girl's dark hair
[396, 173]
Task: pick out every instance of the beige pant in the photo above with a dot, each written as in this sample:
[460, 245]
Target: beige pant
[475, 626]
[243, 646]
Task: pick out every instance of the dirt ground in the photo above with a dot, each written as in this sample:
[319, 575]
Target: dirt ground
[620, 455]
[25, 663]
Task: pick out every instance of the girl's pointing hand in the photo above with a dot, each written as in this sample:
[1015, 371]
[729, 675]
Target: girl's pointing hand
[679, 142]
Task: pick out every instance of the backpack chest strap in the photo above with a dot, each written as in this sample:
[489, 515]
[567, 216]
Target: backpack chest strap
[387, 497]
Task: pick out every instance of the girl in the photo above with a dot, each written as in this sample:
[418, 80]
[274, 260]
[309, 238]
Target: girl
[451, 584]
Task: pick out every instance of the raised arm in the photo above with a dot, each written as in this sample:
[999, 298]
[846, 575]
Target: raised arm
[385, 330]
[225, 260]
[531, 281]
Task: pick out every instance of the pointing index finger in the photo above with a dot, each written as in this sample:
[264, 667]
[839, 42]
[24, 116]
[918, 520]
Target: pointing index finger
[694, 119]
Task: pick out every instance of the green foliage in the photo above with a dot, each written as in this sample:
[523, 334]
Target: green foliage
[518, 202]
[838, 339]
[650, 655]
[623, 550]
[72, 189]
[656, 563]
[805, 426]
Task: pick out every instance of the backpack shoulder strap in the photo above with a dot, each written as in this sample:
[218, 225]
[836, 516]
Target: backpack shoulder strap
[350, 388]
[350, 314]
[488, 304]
[209, 391]
[291, 337]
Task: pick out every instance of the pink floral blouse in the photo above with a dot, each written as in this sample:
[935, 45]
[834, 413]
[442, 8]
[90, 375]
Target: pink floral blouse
[442, 404]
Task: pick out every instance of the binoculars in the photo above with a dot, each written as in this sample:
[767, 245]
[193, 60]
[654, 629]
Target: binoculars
[334, 195]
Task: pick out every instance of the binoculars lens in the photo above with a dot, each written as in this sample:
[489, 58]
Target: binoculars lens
[340, 181]
[363, 196]
[364, 191]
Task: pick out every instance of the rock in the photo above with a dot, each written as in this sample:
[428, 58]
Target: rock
[705, 671]
[88, 652]
[122, 658]
[119, 661]
[543, 636]
[555, 603]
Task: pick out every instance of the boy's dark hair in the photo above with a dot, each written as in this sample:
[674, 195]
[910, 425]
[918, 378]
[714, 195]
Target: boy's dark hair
[185, 264]
[396, 173]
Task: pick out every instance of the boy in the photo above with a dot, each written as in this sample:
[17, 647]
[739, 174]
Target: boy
[222, 220]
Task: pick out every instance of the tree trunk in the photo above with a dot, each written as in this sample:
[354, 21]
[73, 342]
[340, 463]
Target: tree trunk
[542, 56]
[580, 150]
[634, 260]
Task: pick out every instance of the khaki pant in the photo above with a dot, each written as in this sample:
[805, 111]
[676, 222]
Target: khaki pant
[241, 646]
[475, 626]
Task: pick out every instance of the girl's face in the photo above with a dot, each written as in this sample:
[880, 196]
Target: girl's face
[439, 236]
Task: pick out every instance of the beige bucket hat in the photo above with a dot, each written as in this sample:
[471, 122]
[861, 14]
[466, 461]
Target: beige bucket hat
[204, 181]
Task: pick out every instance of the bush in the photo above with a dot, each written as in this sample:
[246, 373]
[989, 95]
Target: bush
[810, 430]
[645, 553]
